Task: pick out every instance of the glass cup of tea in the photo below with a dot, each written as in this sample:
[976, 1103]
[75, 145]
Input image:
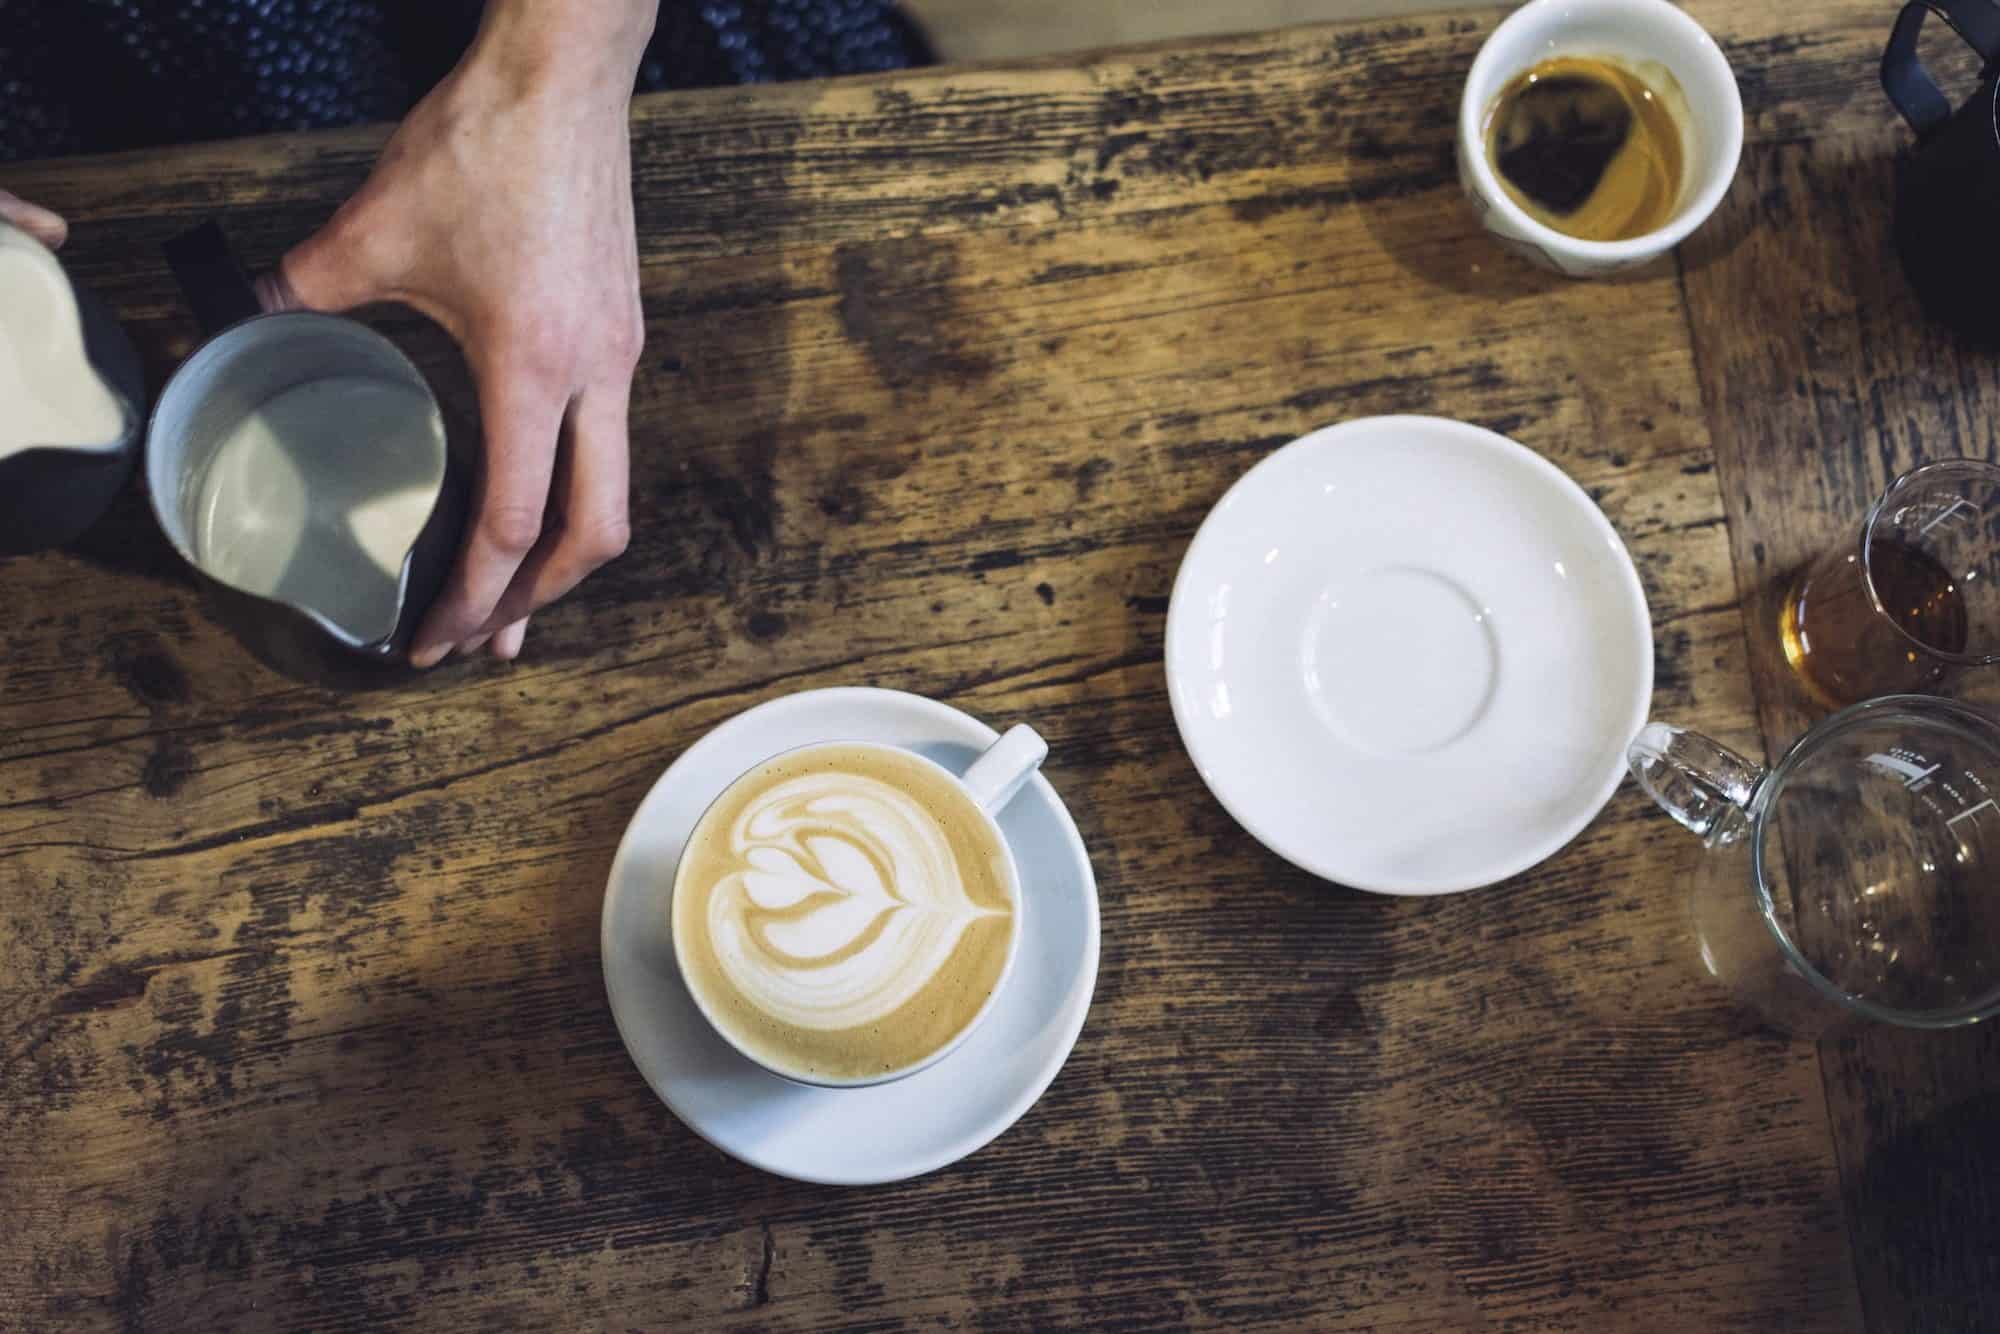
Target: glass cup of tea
[1859, 876]
[1915, 602]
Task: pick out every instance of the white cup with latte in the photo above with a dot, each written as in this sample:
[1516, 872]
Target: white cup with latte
[847, 913]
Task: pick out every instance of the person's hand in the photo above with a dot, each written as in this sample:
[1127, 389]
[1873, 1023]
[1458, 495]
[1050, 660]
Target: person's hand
[502, 208]
[33, 219]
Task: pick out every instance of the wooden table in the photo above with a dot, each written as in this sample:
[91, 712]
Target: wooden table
[299, 987]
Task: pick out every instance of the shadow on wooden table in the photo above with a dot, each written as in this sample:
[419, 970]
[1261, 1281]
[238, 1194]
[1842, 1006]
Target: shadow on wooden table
[1946, 1165]
[1436, 237]
[128, 544]
[408, 1062]
[1440, 242]
[1854, 186]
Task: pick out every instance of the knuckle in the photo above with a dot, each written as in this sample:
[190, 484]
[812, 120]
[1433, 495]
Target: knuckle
[627, 341]
[353, 234]
[541, 347]
[607, 540]
[511, 530]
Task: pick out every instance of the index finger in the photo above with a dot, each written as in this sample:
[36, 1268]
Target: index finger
[520, 417]
[589, 520]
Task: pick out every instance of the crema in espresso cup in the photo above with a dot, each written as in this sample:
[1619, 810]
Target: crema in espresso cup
[1596, 135]
[847, 913]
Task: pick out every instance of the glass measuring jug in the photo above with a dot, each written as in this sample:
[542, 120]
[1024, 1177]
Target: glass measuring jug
[1859, 876]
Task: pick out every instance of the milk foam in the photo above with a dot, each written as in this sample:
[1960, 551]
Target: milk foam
[317, 495]
[843, 903]
[50, 394]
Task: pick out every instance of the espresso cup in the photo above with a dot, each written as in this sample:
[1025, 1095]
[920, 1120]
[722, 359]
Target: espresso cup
[847, 914]
[1639, 35]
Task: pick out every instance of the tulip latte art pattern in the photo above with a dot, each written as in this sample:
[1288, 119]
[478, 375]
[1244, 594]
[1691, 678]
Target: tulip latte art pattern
[847, 909]
[848, 903]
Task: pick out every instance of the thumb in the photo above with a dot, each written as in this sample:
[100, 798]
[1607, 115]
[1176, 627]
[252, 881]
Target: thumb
[329, 270]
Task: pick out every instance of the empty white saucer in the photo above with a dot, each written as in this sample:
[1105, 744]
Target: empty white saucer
[866, 1135]
[1407, 654]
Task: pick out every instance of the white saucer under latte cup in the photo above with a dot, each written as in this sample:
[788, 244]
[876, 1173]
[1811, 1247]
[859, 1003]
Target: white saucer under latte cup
[883, 1132]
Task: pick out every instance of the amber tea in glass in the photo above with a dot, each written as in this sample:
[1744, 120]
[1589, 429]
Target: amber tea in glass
[1911, 604]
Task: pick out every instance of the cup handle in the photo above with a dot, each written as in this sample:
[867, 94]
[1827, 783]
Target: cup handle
[210, 278]
[1005, 768]
[1904, 78]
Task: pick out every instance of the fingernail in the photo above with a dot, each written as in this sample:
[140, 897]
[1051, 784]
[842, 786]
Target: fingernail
[430, 655]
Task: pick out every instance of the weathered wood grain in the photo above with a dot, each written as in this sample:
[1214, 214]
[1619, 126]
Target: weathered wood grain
[300, 1011]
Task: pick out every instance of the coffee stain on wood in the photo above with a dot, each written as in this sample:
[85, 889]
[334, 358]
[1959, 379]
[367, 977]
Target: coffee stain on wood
[168, 768]
[896, 302]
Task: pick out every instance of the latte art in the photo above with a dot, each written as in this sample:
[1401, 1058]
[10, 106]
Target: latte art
[845, 904]
[844, 912]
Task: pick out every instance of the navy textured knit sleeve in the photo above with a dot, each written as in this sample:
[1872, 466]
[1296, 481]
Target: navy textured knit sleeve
[81, 76]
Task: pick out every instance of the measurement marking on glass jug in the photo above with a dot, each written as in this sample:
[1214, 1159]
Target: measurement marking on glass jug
[1915, 778]
[1986, 805]
[1957, 507]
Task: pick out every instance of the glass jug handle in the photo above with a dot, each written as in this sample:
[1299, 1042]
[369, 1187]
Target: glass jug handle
[1703, 784]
